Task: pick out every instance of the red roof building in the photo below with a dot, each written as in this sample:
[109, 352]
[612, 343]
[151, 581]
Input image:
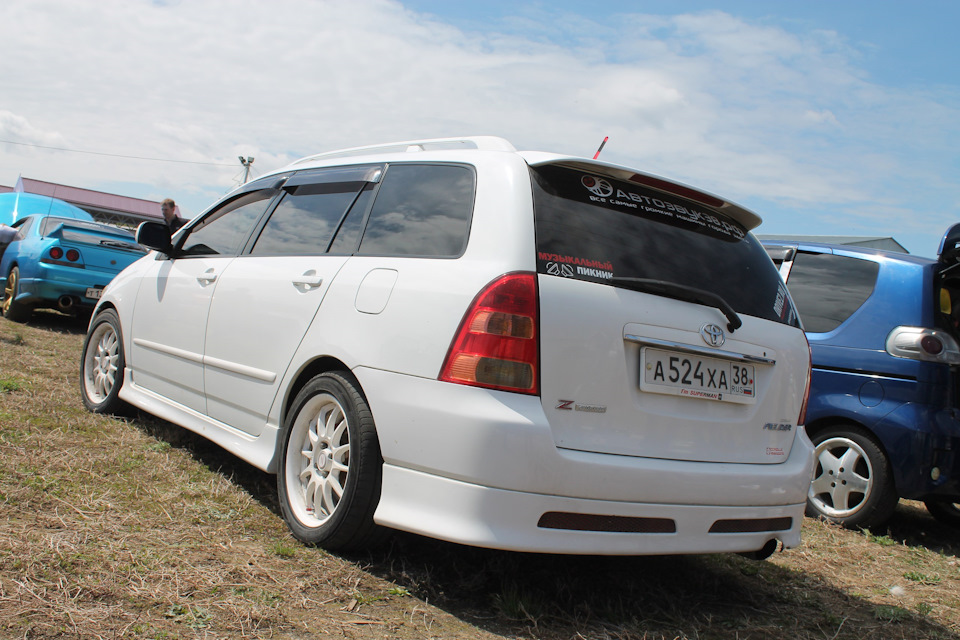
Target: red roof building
[122, 211]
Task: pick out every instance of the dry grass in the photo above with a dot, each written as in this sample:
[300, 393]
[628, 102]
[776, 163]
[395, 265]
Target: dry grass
[137, 529]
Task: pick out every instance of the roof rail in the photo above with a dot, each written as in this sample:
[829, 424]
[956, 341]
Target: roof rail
[485, 143]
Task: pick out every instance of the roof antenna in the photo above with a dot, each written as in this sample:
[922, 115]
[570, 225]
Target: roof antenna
[597, 154]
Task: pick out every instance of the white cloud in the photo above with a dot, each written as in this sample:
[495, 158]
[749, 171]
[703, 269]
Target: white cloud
[771, 118]
[18, 129]
[823, 116]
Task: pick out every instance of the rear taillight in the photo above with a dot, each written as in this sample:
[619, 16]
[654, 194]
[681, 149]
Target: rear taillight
[66, 257]
[919, 343]
[496, 346]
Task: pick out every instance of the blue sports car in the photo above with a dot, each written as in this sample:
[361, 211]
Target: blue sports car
[57, 256]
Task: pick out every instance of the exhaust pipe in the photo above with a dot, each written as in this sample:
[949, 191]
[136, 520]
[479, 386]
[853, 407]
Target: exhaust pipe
[763, 552]
[65, 303]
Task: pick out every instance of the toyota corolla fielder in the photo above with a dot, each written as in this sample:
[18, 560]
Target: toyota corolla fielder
[515, 350]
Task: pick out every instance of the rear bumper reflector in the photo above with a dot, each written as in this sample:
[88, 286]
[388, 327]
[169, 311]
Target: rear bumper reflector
[752, 526]
[618, 524]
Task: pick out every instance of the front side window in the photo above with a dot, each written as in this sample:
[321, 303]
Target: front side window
[828, 289]
[421, 210]
[305, 220]
[599, 229]
[223, 231]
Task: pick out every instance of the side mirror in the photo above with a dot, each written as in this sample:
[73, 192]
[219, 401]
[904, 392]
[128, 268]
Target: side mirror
[949, 251]
[155, 235]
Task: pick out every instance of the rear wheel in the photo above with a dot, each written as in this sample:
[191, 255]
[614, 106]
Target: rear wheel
[101, 365]
[945, 512]
[330, 466]
[13, 310]
[853, 483]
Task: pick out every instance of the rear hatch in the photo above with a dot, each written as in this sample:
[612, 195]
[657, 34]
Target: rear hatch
[666, 331]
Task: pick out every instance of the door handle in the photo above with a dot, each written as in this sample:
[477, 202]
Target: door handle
[308, 281]
[207, 277]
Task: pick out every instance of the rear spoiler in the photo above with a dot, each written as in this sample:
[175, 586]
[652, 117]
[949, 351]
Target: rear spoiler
[744, 216]
[82, 234]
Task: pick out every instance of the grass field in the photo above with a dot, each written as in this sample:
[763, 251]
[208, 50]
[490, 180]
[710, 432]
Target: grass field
[134, 528]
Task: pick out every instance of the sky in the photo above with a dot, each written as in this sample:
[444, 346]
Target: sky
[824, 117]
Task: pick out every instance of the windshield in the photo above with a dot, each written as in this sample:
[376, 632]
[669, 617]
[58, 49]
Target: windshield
[599, 229]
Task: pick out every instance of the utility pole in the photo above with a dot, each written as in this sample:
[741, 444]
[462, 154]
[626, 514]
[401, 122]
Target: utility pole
[246, 167]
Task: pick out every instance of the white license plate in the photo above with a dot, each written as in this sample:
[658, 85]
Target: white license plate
[94, 292]
[694, 376]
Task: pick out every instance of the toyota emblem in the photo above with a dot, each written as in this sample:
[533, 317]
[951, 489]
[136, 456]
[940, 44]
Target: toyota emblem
[712, 335]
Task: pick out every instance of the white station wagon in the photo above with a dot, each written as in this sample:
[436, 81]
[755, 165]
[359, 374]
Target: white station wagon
[514, 350]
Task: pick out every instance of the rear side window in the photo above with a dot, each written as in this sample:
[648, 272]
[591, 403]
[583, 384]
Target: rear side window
[305, 220]
[595, 228]
[828, 289]
[421, 210]
[349, 233]
[23, 227]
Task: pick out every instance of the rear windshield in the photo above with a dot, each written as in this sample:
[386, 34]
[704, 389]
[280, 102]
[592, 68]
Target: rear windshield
[595, 228]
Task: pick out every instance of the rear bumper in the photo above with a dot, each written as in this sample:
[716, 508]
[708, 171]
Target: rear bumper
[481, 467]
[55, 281]
[496, 518]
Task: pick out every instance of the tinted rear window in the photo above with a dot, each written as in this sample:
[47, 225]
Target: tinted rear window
[595, 228]
[421, 210]
[827, 289]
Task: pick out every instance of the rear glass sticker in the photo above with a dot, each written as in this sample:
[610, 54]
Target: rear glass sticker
[570, 266]
[601, 191]
[782, 306]
[780, 301]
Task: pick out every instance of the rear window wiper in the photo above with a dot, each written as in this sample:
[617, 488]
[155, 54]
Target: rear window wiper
[682, 292]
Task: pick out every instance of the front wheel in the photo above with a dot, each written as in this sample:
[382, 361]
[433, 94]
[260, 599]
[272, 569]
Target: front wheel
[853, 481]
[945, 512]
[101, 365]
[330, 465]
[13, 310]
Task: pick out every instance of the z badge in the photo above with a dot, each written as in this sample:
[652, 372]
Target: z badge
[571, 405]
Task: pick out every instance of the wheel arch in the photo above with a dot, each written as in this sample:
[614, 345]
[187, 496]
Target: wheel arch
[313, 368]
[6, 272]
[107, 305]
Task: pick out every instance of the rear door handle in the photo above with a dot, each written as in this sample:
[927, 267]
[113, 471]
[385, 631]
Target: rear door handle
[308, 281]
[207, 277]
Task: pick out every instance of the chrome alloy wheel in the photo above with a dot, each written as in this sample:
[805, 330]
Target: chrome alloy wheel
[318, 457]
[844, 478]
[101, 363]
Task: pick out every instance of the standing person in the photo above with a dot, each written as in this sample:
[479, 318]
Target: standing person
[169, 209]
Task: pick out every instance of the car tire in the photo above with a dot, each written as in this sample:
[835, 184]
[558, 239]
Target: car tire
[853, 482]
[13, 310]
[330, 466]
[944, 511]
[101, 365]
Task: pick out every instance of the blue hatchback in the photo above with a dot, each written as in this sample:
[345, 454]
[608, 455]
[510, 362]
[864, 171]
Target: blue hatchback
[884, 411]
